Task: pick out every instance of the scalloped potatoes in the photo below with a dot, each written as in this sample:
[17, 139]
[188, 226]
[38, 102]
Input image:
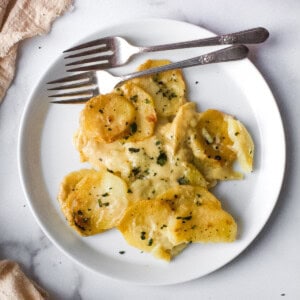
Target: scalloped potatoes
[167, 88]
[145, 119]
[154, 159]
[218, 141]
[167, 224]
[107, 117]
[93, 201]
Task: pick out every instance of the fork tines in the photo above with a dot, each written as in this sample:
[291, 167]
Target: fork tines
[102, 47]
[89, 60]
[74, 89]
[86, 52]
[103, 42]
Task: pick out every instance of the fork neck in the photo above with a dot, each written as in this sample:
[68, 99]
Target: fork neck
[190, 44]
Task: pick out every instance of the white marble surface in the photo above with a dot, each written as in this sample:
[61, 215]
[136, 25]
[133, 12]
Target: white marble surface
[270, 267]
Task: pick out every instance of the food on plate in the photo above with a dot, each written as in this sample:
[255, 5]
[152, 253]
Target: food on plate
[220, 140]
[144, 226]
[165, 225]
[150, 166]
[108, 117]
[93, 201]
[167, 88]
[145, 119]
[242, 145]
[154, 159]
[198, 216]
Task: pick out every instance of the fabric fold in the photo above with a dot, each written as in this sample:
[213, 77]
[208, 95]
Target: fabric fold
[19, 20]
[14, 284]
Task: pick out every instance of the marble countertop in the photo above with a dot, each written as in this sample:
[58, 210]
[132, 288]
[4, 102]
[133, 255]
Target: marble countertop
[270, 267]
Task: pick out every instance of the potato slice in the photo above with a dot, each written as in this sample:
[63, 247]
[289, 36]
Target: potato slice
[198, 216]
[145, 118]
[242, 143]
[184, 122]
[165, 225]
[217, 142]
[144, 226]
[167, 88]
[107, 117]
[213, 139]
[93, 201]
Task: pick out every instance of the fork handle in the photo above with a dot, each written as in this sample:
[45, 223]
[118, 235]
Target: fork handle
[250, 36]
[227, 54]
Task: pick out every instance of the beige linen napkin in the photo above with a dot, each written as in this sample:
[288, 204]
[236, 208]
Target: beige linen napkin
[21, 19]
[14, 285]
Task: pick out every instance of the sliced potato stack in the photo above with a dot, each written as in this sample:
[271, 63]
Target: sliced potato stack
[110, 121]
[93, 201]
[220, 140]
[128, 113]
[161, 155]
[144, 226]
[185, 214]
[167, 88]
[198, 216]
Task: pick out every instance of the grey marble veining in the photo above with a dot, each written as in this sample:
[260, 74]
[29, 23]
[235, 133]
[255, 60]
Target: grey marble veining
[270, 267]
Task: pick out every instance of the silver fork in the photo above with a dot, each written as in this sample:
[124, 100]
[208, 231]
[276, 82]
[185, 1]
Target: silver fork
[81, 87]
[116, 51]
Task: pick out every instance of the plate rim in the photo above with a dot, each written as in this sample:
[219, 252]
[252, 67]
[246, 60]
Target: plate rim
[20, 157]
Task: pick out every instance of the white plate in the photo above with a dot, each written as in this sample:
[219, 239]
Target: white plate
[46, 155]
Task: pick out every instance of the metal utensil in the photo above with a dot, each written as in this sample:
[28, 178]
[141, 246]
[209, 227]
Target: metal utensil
[116, 51]
[81, 87]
